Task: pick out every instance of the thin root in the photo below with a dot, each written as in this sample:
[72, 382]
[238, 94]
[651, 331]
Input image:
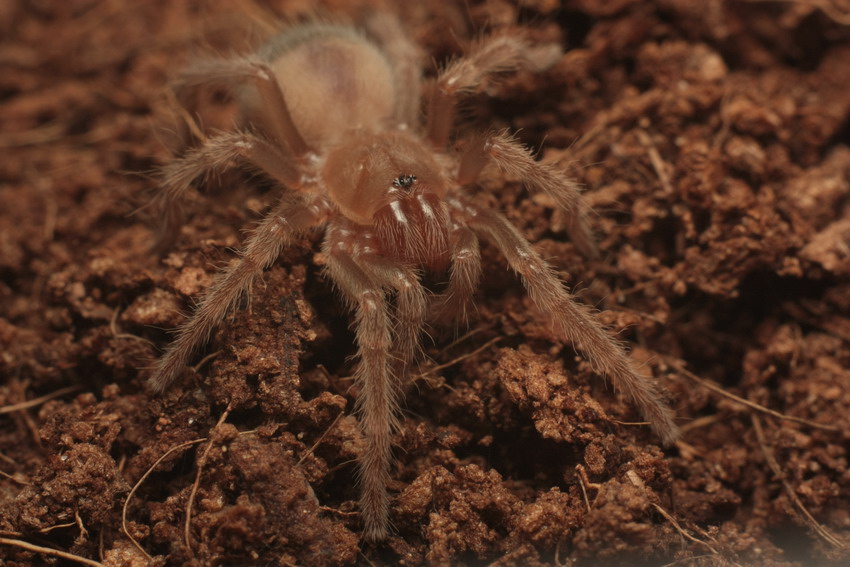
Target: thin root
[201, 462]
[457, 360]
[820, 529]
[164, 456]
[320, 439]
[50, 551]
[682, 531]
[743, 401]
[38, 401]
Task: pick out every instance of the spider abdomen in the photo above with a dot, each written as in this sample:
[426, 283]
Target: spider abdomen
[334, 80]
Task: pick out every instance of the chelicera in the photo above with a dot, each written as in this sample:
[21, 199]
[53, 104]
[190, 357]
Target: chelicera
[331, 114]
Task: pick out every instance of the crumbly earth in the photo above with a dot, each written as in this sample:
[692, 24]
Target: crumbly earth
[712, 140]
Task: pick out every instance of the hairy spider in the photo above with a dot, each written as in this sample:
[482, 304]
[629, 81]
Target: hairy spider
[332, 114]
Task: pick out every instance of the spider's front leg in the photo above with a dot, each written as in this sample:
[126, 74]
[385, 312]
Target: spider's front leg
[572, 320]
[464, 274]
[377, 402]
[512, 158]
[293, 215]
[411, 306]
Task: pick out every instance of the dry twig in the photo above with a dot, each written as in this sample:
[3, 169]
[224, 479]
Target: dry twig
[820, 529]
[201, 462]
[320, 439]
[38, 401]
[743, 401]
[457, 360]
[50, 551]
[139, 483]
[13, 478]
[682, 531]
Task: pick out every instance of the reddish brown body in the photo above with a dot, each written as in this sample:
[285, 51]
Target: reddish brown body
[331, 113]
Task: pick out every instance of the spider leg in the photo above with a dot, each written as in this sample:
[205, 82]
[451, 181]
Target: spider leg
[377, 402]
[271, 114]
[464, 274]
[468, 75]
[572, 320]
[217, 153]
[405, 59]
[291, 216]
[411, 306]
[512, 158]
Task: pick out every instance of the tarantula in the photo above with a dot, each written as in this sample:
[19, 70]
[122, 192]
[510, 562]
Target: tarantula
[331, 113]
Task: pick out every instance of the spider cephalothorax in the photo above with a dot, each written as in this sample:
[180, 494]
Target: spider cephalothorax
[331, 114]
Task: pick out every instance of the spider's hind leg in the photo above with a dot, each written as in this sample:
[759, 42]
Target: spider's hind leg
[275, 148]
[215, 155]
[468, 75]
[405, 59]
[269, 113]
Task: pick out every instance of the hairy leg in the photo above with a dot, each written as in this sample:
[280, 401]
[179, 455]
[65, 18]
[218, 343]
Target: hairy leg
[411, 306]
[573, 320]
[405, 58]
[271, 113]
[377, 401]
[467, 75]
[216, 154]
[290, 217]
[512, 158]
[464, 275]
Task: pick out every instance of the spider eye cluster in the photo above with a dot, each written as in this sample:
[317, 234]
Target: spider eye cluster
[404, 181]
[368, 171]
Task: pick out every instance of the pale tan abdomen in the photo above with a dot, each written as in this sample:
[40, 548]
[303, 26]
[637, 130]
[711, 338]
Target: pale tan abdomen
[334, 81]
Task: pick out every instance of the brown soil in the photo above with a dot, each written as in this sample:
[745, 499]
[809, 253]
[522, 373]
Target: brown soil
[712, 138]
